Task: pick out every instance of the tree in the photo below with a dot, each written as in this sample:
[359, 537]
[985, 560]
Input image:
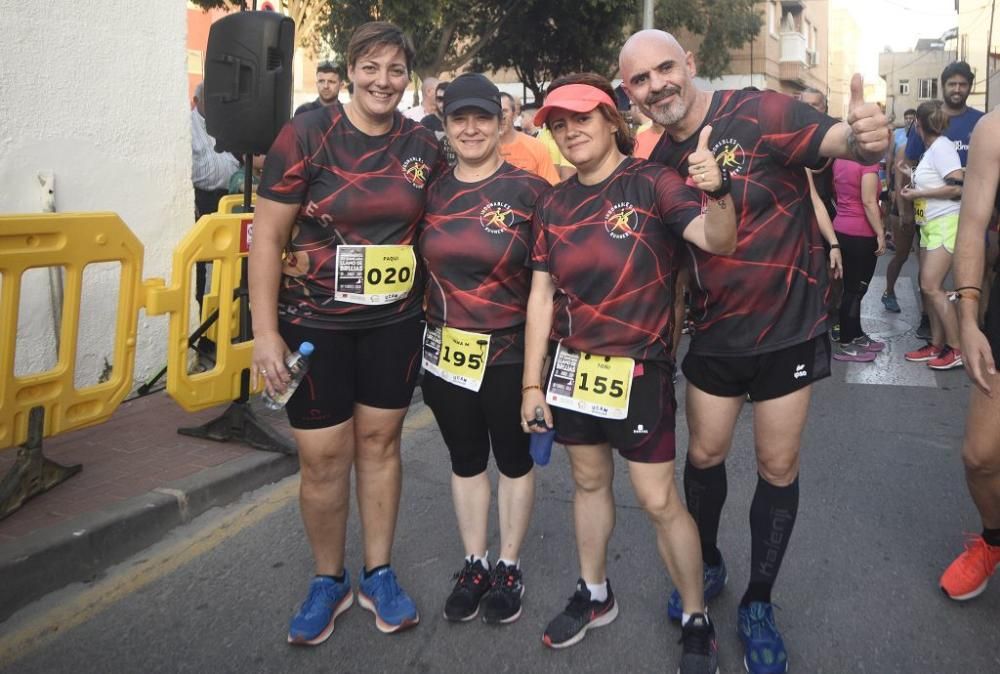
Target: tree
[309, 15]
[722, 24]
[447, 34]
[549, 38]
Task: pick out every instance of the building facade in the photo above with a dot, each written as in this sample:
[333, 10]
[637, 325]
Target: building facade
[977, 27]
[913, 77]
[789, 54]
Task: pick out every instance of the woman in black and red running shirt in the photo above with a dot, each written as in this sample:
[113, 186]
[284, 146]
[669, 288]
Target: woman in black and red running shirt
[474, 239]
[333, 263]
[606, 252]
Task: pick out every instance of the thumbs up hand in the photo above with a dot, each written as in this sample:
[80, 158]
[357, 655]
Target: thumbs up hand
[869, 135]
[702, 167]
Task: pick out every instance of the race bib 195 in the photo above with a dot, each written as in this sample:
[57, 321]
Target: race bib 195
[457, 356]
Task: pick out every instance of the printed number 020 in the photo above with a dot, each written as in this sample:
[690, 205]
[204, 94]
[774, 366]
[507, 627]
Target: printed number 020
[601, 386]
[391, 275]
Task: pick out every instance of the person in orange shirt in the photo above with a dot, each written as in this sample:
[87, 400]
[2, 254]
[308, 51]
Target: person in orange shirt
[522, 150]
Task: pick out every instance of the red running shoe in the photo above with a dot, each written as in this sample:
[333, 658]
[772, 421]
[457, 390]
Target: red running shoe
[948, 360]
[924, 354]
[968, 575]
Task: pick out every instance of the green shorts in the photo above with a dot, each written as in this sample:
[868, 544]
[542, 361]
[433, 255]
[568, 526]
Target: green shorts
[940, 232]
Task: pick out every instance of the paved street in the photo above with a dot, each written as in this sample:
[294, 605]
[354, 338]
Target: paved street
[883, 509]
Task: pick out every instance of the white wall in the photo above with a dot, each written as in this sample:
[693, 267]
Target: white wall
[96, 92]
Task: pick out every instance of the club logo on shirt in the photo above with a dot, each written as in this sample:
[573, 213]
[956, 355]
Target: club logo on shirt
[415, 171]
[620, 220]
[496, 217]
[729, 153]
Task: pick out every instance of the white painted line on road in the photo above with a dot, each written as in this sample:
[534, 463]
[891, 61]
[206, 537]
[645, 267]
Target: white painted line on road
[896, 330]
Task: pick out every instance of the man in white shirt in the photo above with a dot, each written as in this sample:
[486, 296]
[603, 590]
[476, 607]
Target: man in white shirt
[210, 174]
[428, 100]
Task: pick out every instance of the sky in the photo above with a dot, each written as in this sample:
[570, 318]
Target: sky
[898, 24]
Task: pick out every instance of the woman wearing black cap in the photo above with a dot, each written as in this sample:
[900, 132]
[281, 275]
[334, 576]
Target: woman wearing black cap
[474, 239]
[607, 246]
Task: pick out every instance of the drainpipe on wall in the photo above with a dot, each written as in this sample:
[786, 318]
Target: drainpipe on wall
[47, 193]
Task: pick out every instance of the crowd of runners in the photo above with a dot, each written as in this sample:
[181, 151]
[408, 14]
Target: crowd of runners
[398, 246]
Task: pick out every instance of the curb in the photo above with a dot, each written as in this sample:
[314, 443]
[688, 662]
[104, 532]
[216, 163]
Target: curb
[80, 549]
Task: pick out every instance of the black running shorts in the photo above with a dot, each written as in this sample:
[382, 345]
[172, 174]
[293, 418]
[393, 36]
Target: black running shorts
[377, 367]
[646, 435]
[763, 376]
[473, 421]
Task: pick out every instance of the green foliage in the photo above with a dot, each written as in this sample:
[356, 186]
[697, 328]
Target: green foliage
[447, 34]
[723, 25]
[549, 38]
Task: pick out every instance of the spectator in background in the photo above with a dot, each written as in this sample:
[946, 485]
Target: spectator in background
[210, 174]
[528, 111]
[900, 213]
[329, 78]
[936, 186]
[522, 150]
[861, 239]
[435, 122]
[428, 100]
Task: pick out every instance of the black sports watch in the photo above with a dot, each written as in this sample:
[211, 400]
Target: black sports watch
[725, 188]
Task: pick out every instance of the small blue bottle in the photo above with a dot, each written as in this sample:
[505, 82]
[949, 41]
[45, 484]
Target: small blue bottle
[541, 443]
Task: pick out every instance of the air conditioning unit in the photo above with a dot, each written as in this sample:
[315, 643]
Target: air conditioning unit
[812, 58]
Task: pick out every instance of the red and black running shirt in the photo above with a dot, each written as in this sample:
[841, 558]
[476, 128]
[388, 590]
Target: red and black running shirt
[771, 293]
[354, 189]
[612, 251]
[474, 240]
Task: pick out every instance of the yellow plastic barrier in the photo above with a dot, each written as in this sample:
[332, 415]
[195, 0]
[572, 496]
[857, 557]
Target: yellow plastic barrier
[233, 202]
[222, 239]
[71, 241]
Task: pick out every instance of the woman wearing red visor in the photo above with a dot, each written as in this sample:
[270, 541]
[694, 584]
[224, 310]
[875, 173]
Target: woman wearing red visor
[607, 246]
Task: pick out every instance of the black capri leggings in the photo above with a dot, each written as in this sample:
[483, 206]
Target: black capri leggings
[859, 257]
[472, 421]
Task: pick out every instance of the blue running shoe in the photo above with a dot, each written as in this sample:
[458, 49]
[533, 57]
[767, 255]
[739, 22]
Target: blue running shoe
[890, 303]
[763, 647]
[381, 594]
[327, 599]
[714, 578]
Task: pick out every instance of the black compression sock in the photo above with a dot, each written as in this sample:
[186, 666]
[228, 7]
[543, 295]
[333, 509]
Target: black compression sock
[757, 592]
[991, 536]
[705, 490]
[772, 516]
[336, 579]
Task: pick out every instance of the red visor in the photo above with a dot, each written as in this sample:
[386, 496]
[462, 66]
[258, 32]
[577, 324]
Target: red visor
[573, 97]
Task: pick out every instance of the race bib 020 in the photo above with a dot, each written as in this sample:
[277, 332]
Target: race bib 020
[596, 385]
[457, 356]
[374, 274]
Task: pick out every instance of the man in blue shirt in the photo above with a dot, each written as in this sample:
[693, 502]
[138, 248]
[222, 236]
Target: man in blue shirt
[956, 84]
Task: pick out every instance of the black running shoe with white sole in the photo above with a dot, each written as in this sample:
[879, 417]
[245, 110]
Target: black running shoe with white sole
[502, 604]
[471, 584]
[580, 615]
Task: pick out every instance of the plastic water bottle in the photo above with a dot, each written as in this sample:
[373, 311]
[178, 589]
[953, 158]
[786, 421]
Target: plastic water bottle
[297, 364]
[540, 446]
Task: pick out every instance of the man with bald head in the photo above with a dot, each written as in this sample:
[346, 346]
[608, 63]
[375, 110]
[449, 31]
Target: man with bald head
[428, 100]
[760, 315]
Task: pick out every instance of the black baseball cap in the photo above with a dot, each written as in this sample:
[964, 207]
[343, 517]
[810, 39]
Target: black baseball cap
[472, 90]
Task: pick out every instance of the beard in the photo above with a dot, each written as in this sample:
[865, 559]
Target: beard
[669, 115]
[955, 101]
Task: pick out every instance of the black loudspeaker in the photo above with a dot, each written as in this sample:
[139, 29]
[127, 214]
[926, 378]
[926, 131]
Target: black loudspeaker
[248, 80]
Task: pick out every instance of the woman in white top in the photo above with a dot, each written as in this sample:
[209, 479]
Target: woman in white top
[935, 192]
